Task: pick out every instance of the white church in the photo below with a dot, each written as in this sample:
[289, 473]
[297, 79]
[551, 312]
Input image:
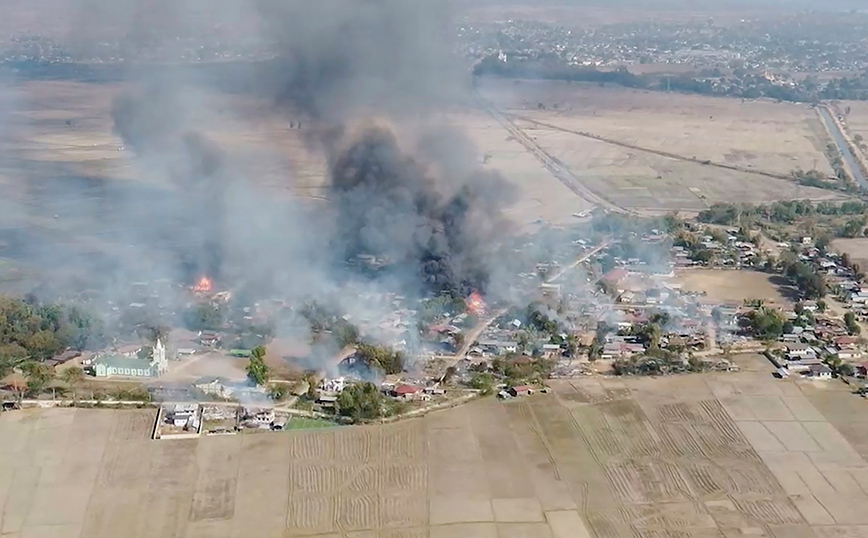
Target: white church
[118, 365]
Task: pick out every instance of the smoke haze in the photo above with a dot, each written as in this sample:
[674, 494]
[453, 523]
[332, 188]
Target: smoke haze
[364, 81]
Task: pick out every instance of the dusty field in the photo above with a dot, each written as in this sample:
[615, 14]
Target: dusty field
[856, 248]
[721, 285]
[752, 135]
[58, 130]
[707, 456]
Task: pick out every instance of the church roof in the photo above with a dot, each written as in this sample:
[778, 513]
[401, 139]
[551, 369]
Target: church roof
[119, 361]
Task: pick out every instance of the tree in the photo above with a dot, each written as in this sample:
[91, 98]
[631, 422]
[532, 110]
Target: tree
[277, 391]
[43, 344]
[72, 376]
[257, 370]
[11, 355]
[458, 340]
[381, 357]
[764, 323]
[38, 376]
[346, 333]
[204, 317]
[483, 382]
[850, 321]
[360, 401]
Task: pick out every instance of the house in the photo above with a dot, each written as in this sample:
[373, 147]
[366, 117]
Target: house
[327, 401]
[185, 416]
[405, 391]
[819, 371]
[499, 346]
[208, 338]
[337, 384]
[551, 350]
[520, 390]
[63, 358]
[798, 351]
[258, 417]
[848, 354]
[801, 365]
[214, 386]
[128, 351]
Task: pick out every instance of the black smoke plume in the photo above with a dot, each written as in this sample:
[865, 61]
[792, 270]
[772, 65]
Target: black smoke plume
[390, 205]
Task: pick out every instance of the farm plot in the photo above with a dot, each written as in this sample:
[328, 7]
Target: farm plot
[707, 455]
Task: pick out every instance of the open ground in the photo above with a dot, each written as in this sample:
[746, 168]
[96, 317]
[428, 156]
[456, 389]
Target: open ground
[706, 455]
[856, 248]
[706, 137]
[726, 285]
[60, 129]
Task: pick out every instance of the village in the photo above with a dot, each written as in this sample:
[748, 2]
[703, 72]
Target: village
[678, 297]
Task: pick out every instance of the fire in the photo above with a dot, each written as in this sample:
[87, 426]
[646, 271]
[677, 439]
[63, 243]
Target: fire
[475, 304]
[203, 285]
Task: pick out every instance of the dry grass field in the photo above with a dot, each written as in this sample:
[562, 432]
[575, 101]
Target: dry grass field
[63, 129]
[752, 135]
[722, 285]
[699, 456]
[856, 248]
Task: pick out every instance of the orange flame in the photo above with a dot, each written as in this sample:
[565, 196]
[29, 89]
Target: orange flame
[475, 304]
[203, 285]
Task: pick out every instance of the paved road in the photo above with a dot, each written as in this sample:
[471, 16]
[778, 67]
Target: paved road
[579, 260]
[843, 147]
[553, 165]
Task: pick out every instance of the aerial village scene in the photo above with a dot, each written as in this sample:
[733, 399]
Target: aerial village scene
[618, 296]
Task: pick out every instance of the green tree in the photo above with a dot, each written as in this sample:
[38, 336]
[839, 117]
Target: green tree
[381, 357]
[483, 382]
[11, 355]
[277, 391]
[205, 317]
[360, 401]
[72, 376]
[43, 344]
[257, 370]
[852, 326]
[38, 376]
[764, 323]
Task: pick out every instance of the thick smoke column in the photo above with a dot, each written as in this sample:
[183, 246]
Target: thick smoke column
[389, 205]
[430, 209]
[409, 189]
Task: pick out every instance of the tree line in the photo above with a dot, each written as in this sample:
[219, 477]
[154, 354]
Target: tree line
[33, 331]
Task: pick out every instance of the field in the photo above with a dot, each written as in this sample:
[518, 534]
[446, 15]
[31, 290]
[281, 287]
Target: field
[711, 455]
[59, 130]
[856, 248]
[753, 136]
[721, 285]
